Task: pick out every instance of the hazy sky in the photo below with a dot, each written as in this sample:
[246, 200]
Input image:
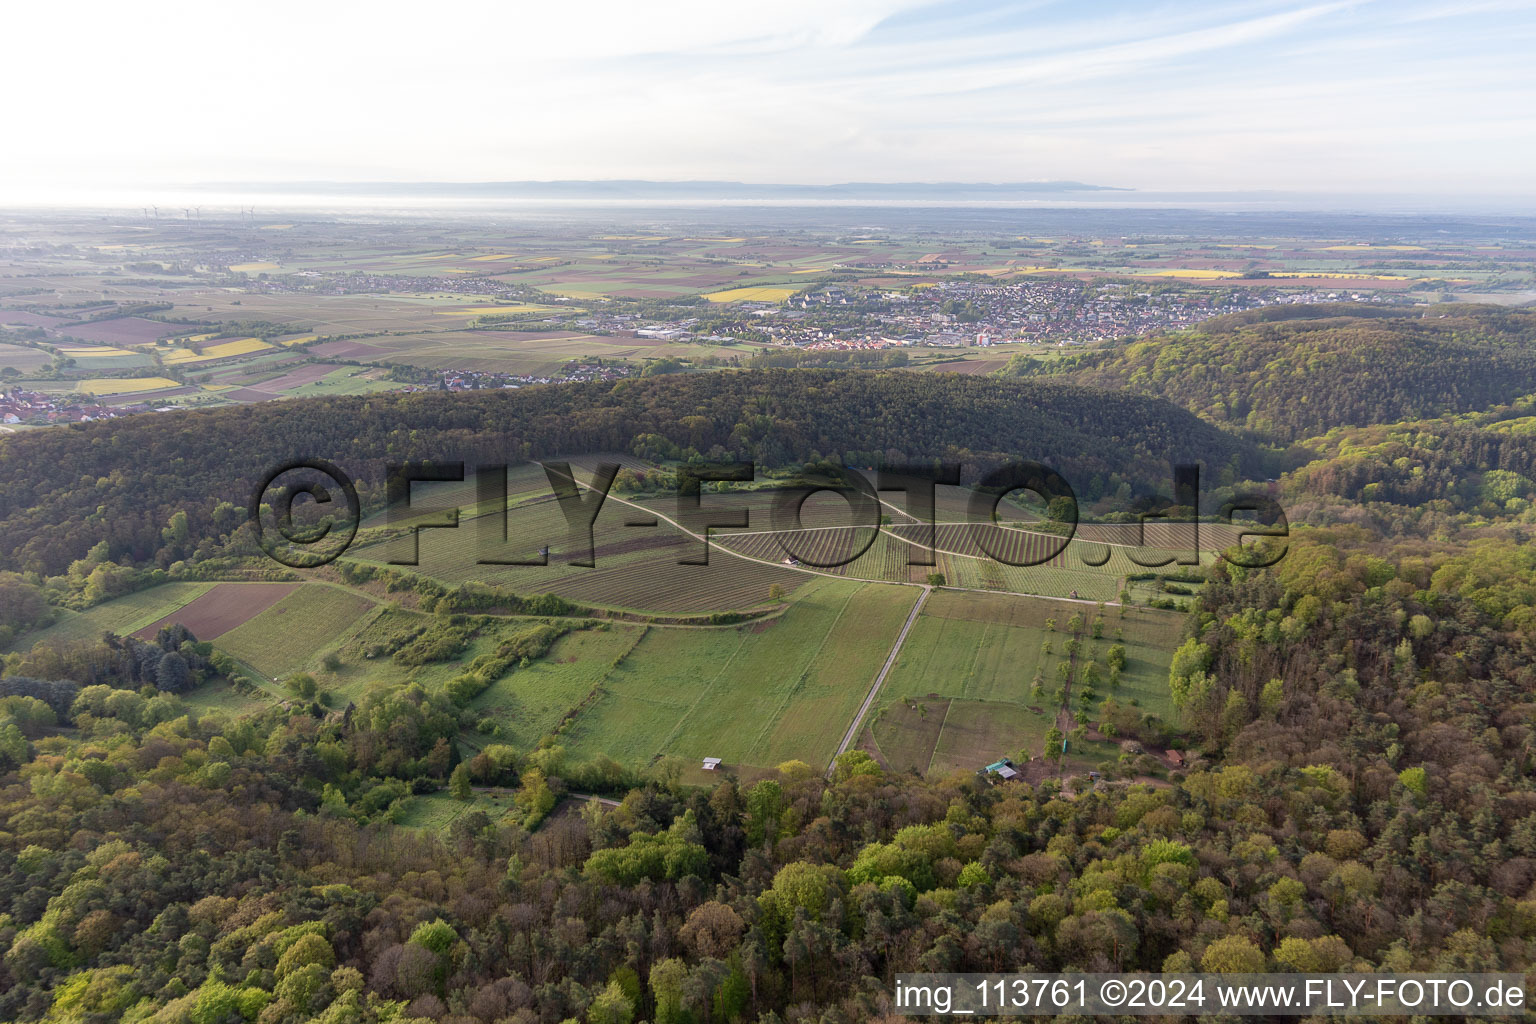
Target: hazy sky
[1395, 95]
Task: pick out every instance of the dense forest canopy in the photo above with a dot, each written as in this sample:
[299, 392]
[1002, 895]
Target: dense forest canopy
[1365, 803]
[1358, 720]
[1284, 380]
[64, 491]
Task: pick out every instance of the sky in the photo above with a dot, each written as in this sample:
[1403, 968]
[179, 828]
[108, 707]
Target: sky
[1402, 96]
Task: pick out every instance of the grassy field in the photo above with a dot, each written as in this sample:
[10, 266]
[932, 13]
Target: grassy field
[755, 695]
[220, 697]
[350, 380]
[121, 616]
[295, 631]
[434, 812]
[977, 733]
[529, 702]
[962, 692]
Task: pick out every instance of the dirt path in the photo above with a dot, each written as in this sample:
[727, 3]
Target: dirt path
[890, 660]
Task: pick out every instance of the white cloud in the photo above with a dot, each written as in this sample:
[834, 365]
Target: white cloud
[1248, 95]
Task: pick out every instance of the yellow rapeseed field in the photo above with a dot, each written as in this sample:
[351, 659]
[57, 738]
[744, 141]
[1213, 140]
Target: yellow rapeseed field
[123, 385]
[96, 350]
[223, 350]
[765, 294]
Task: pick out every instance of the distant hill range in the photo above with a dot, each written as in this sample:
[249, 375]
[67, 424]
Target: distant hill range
[651, 190]
[1286, 373]
[780, 418]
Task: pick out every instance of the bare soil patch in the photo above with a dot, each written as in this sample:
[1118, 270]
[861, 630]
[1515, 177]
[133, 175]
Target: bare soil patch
[222, 608]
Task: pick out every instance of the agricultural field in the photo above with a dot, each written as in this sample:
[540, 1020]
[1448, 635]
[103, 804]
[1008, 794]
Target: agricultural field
[219, 608]
[22, 358]
[751, 294]
[101, 359]
[634, 568]
[295, 630]
[528, 703]
[346, 380]
[979, 675]
[124, 385]
[755, 695]
[125, 331]
[123, 615]
[248, 312]
[220, 350]
[977, 732]
[887, 558]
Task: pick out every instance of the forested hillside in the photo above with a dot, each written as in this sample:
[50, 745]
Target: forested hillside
[1355, 791]
[64, 491]
[1366, 803]
[1283, 380]
[1426, 465]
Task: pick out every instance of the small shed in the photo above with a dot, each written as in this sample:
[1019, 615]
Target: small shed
[1177, 758]
[998, 766]
[711, 763]
[1007, 772]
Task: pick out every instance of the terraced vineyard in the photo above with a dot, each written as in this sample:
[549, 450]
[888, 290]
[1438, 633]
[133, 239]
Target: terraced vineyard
[634, 568]
[792, 536]
[886, 558]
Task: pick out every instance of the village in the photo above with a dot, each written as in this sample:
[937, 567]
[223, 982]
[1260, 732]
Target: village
[22, 406]
[957, 314]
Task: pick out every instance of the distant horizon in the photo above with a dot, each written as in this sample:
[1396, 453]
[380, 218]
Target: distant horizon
[640, 195]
